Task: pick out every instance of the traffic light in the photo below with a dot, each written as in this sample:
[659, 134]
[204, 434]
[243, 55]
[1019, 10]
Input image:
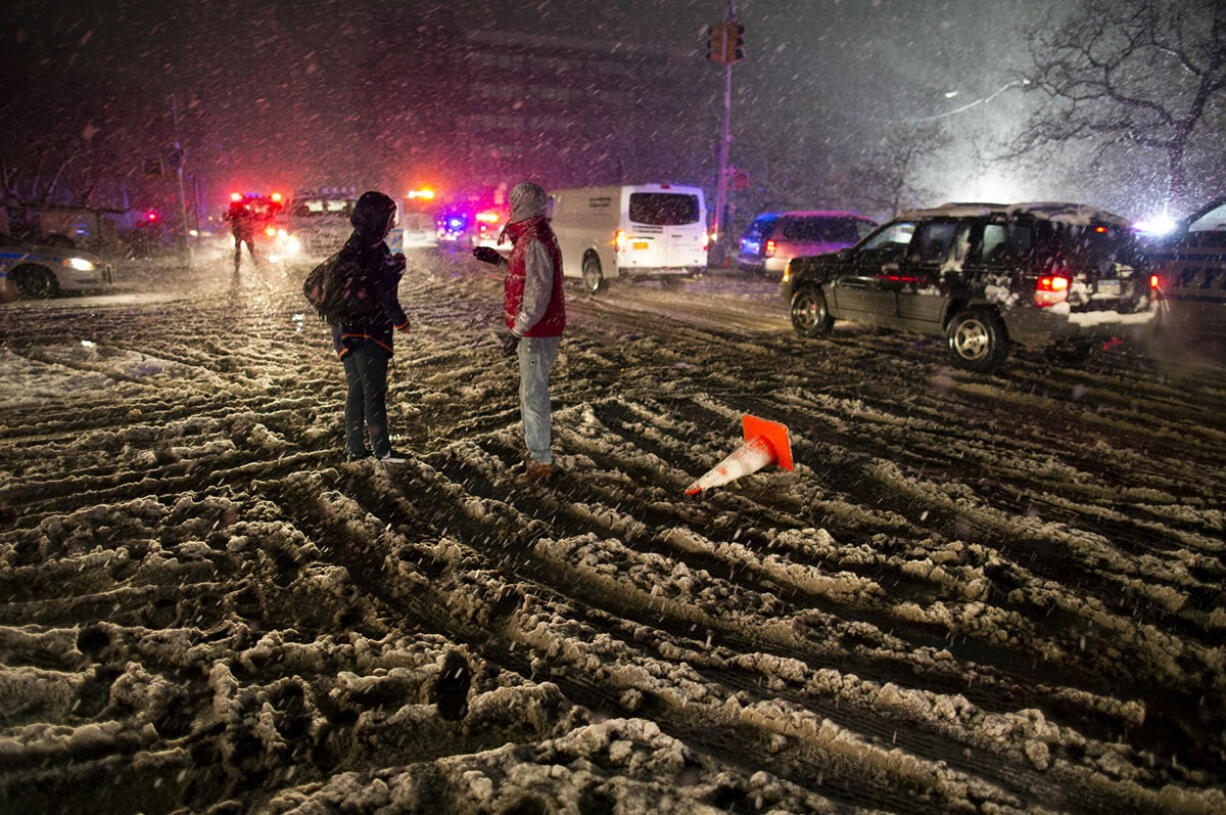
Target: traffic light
[715, 42]
[153, 168]
[725, 43]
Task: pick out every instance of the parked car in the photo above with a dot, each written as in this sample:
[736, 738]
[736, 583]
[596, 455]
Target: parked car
[774, 238]
[36, 270]
[986, 277]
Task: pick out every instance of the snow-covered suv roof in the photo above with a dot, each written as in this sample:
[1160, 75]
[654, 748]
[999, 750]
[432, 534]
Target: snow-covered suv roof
[1072, 214]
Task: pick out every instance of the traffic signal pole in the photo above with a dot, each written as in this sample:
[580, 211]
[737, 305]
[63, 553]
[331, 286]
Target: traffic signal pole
[724, 47]
[721, 193]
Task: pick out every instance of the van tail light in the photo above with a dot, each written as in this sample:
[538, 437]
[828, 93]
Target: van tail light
[619, 241]
[769, 251]
[1050, 290]
[706, 240]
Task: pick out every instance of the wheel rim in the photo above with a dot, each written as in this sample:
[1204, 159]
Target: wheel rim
[591, 275]
[807, 312]
[972, 340]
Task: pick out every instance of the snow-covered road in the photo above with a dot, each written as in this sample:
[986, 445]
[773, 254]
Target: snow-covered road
[974, 593]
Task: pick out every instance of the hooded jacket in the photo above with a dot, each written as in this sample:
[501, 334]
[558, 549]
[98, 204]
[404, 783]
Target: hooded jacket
[366, 248]
[534, 305]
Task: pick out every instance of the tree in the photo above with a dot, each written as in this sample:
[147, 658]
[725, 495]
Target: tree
[886, 180]
[1143, 73]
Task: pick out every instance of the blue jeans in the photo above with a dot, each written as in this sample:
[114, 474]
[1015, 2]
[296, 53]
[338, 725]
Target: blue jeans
[366, 403]
[536, 356]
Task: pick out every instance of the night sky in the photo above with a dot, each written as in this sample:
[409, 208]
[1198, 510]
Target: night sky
[273, 92]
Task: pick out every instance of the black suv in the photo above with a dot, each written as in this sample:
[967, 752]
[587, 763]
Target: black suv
[985, 276]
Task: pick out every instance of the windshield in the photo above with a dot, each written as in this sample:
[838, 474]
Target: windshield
[664, 208]
[322, 207]
[761, 227]
[1214, 219]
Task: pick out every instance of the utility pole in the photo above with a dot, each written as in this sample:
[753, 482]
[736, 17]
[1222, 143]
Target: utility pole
[176, 160]
[724, 47]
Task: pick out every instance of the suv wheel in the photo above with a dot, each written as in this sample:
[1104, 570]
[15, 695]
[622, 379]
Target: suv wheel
[977, 340]
[593, 277]
[810, 317]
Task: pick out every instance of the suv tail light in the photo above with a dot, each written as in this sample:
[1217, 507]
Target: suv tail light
[1155, 282]
[619, 241]
[1050, 290]
[769, 251]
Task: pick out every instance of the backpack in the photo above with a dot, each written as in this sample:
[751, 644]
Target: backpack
[338, 290]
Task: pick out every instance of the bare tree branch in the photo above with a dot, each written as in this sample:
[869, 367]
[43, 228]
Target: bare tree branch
[1140, 72]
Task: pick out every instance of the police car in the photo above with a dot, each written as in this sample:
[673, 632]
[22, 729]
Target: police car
[1191, 268]
[31, 270]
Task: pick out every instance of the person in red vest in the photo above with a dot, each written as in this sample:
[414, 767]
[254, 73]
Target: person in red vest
[534, 311]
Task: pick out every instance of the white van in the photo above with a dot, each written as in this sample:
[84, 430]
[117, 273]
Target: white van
[654, 231]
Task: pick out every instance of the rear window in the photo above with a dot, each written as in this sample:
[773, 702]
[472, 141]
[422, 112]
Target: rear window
[823, 230]
[1095, 245]
[663, 208]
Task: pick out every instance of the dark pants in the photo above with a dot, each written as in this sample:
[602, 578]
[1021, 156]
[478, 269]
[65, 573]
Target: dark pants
[366, 406]
[239, 240]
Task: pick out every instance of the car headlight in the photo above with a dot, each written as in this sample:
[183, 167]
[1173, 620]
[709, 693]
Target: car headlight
[79, 264]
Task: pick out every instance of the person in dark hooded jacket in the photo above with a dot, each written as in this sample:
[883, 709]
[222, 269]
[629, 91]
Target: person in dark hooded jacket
[364, 344]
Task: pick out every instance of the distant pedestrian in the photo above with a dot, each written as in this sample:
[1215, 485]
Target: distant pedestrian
[364, 344]
[242, 227]
[534, 311]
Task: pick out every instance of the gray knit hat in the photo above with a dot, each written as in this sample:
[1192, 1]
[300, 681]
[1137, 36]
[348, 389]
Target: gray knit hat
[528, 200]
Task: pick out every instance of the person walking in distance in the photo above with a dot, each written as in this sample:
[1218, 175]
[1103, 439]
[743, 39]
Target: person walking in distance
[364, 342]
[534, 311]
[242, 227]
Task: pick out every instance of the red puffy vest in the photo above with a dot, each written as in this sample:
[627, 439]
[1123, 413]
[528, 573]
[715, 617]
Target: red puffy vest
[554, 319]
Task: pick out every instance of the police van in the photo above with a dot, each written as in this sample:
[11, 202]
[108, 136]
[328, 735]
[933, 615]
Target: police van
[645, 231]
[1191, 269]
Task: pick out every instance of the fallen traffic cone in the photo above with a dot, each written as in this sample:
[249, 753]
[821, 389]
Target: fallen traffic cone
[766, 443]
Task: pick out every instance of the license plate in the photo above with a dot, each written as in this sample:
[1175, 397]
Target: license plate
[640, 245]
[1109, 287]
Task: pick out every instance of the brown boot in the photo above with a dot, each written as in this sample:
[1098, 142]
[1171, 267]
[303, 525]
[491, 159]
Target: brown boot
[535, 472]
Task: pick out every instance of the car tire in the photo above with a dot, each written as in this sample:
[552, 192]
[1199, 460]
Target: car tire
[810, 317]
[34, 282]
[977, 340]
[593, 276]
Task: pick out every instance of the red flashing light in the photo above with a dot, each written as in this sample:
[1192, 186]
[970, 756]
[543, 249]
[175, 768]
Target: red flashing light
[236, 196]
[151, 216]
[1050, 290]
[276, 196]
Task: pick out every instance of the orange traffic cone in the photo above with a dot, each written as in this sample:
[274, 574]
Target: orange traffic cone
[766, 443]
